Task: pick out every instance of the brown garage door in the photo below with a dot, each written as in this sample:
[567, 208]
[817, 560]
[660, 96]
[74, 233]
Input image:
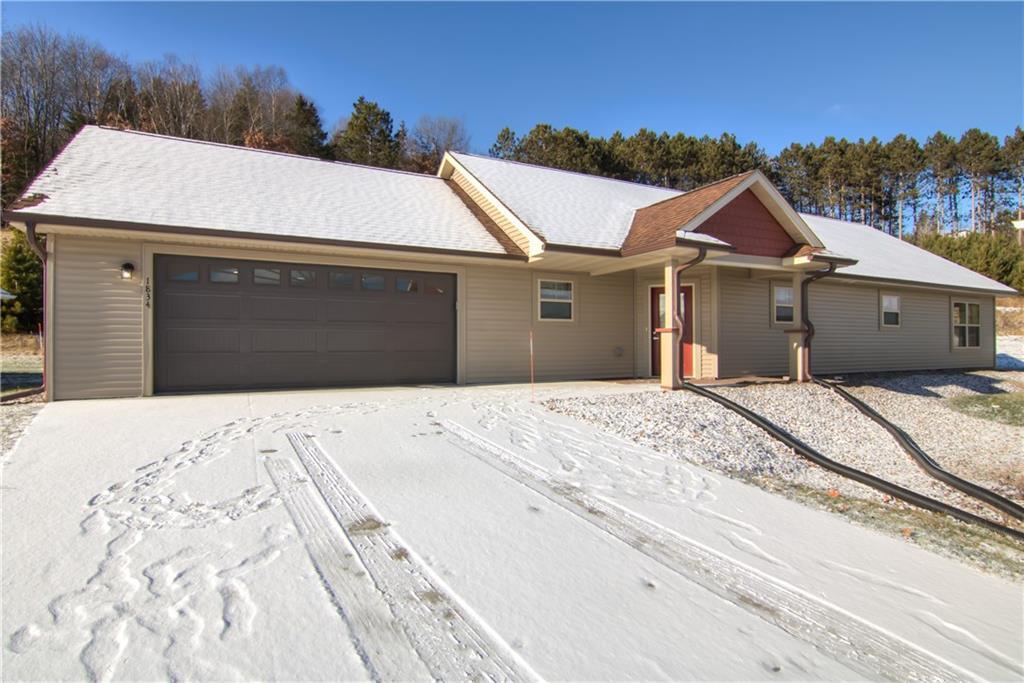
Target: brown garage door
[234, 324]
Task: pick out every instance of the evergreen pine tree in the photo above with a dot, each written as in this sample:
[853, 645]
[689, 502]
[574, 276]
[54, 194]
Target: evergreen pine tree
[506, 146]
[21, 274]
[304, 131]
[1013, 161]
[368, 137]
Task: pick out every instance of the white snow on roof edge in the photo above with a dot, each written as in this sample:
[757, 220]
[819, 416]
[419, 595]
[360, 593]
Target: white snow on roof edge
[884, 257]
[105, 174]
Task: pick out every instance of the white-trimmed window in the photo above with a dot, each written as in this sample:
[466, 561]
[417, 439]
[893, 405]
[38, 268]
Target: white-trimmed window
[783, 305]
[890, 310]
[966, 325]
[555, 300]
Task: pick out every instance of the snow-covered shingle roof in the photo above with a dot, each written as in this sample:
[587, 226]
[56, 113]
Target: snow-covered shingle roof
[882, 256]
[111, 175]
[107, 175]
[563, 207]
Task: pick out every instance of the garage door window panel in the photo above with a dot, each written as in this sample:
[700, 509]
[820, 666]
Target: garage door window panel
[341, 279]
[183, 272]
[302, 278]
[266, 277]
[406, 285]
[372, 283]
[226, 275]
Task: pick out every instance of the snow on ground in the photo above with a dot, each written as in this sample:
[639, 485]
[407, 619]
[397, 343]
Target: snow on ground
[446, 533]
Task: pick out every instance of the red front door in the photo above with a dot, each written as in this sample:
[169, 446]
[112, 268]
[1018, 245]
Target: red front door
[660, 320]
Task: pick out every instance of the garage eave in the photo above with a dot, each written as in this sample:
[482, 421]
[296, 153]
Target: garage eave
[47, 221]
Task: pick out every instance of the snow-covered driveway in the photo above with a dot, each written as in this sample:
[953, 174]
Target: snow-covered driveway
[447, 534]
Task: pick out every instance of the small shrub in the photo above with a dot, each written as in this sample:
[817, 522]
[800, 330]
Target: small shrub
[9, 324]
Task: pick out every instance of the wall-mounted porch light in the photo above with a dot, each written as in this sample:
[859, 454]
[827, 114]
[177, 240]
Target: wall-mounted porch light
[127, 270]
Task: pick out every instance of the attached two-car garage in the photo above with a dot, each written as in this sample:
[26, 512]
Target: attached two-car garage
[223, 324]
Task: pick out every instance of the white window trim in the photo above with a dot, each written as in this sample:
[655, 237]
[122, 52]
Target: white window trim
[953, 325]
[774, 318]
[881, 310]
[571, 300]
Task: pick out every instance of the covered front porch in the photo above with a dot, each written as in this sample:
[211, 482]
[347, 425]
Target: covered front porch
[719, 279]
[736, 317]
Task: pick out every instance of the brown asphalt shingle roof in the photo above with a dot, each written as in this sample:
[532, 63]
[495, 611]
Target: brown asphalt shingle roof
[655, 226]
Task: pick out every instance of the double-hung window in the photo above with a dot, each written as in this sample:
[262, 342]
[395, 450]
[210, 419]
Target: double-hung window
[966, 325]
[783, 308]
[890, 310]
[555, 300]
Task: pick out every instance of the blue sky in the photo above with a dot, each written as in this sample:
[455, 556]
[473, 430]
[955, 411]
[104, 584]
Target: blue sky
[773, 73]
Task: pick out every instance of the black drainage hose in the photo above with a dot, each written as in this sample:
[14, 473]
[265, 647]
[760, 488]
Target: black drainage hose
[925, 461]
[874, 482]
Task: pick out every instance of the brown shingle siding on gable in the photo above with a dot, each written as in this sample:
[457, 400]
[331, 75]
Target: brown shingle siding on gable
[654, 227]
[746, 224]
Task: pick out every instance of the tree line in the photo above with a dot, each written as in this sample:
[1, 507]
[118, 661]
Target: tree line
[901, 186]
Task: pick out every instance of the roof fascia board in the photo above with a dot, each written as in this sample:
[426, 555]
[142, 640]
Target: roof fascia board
[574, 249]
[648, 258]
[631, 262]
[449, 164]
[748, 261]
[817, 259]
[48, 224]
[722, 247]
[852, 278]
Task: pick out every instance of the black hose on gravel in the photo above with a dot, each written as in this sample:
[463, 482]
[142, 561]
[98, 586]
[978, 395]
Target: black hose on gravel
[925, 461]
[874, 482]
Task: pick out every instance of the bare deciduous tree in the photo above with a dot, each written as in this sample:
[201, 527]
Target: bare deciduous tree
[431, 138]
[170, 97]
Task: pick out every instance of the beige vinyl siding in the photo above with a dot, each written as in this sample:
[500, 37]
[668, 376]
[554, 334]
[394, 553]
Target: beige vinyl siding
[705, 346]
[497, 215]
[501, 308]
[748, 343]
[97, 321]
[849, 336]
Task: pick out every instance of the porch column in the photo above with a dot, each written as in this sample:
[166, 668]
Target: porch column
[795, 334]
[671, 358]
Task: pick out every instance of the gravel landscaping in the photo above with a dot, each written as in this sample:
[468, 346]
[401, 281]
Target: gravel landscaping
[836, 428]
[696, 430]
[984, 451]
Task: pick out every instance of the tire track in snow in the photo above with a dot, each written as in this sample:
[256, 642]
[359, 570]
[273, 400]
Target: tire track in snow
[376, 636]
[840, 634]
[448, 639]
